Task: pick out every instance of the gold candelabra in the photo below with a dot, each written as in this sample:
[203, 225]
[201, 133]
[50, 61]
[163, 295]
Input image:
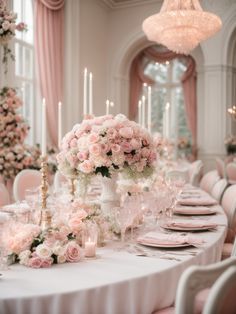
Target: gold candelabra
[45, 219]
[232, 112]
[72, 189]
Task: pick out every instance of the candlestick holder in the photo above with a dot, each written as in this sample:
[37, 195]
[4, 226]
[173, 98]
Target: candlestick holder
[45, 219]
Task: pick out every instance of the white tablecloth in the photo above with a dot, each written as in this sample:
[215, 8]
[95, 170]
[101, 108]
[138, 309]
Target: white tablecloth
[116, 282]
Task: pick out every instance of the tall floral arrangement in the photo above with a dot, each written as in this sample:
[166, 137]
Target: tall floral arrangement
[107, 144]
[7, 30]
[14, 154]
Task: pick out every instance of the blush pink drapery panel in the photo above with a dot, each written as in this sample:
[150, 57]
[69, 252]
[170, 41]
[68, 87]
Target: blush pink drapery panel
[49, 40]
[137, 78]
[189, 83]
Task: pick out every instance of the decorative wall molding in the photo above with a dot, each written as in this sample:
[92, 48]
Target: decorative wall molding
[120, 4]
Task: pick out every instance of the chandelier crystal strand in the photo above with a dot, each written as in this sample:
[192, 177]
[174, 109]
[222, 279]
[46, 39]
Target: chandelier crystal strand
[181, 25]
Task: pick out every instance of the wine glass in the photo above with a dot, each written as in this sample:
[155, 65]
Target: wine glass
[175, 180]
[123, 219]
[4, 223]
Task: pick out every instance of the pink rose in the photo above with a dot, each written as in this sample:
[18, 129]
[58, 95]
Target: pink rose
[35, 262]
[126, 132]
[112, 133]
[115, 148]
[46, 262]
[95, 149]
[73, 143]
[104, 148]
[126, 147]
[86, 166]
[135, 144]
[93, 138]
[72, 253]
[145, 152]
[82, 156]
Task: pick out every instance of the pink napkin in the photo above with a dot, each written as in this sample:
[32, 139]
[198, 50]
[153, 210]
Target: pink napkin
[190, 224]
[156, 238]
[201, 201]
[194, 210]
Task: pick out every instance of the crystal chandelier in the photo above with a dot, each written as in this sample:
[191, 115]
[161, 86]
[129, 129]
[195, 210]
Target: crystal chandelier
[232, 112]
[181, 25]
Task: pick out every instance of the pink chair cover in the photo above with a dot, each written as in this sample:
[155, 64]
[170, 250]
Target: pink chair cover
[231, 172]
[209, 180]
[221, 299]
[229, 206]
[220, 166]
[26, 179]
[218, 189]
[227, 250]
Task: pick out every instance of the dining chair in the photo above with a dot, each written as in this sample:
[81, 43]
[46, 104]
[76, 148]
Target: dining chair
[195, 279]
[218, 189]
[194, 287]
[229, 206]
[231, 172]
[221, 298]
[4, 195]
[209, 180]
[195, 172]
[220, 166]
[26, 179]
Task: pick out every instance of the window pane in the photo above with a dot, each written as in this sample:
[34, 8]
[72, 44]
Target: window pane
[28, 62]
[159, 99]
[178, 70]
[157, 71]
[19, 59]
[28, 19]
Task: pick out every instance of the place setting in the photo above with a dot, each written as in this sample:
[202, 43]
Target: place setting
[194, 210]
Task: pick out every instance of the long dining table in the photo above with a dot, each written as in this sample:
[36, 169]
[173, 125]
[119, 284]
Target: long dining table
[115, 282]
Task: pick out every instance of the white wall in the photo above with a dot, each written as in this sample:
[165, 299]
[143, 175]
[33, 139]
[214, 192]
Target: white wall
[109, 39]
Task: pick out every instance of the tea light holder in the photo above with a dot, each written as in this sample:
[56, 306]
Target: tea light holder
[90, 240]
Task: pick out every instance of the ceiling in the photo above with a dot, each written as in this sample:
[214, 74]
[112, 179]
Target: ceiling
[117, 4]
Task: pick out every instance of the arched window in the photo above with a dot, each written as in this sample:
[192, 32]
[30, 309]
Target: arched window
[173, 80]
[167, 88]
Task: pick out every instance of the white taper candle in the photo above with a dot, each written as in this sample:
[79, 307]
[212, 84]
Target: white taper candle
[107, 106]
[85, 109]
[140, 112]
[90, 93]
[59, 124]
[149, 100]
[44, 129]
[143, 111]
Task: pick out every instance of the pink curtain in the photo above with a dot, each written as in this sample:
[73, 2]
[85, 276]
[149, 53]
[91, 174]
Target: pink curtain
[137, 78]
[49, 37]
[189, 82]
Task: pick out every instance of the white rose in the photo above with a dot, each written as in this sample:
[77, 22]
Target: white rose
[43, 251]
[58, 250]
[61, 259]
[24, 257]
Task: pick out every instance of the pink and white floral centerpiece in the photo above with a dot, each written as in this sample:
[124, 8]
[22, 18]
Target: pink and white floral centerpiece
[104, 145]
[107, 145]
[30, 246]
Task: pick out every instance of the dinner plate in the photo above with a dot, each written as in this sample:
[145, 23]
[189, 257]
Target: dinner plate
[171, 245]
[194, 211]
[192, 228]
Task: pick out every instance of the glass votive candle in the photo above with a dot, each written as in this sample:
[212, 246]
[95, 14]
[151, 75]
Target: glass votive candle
[90, 240]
